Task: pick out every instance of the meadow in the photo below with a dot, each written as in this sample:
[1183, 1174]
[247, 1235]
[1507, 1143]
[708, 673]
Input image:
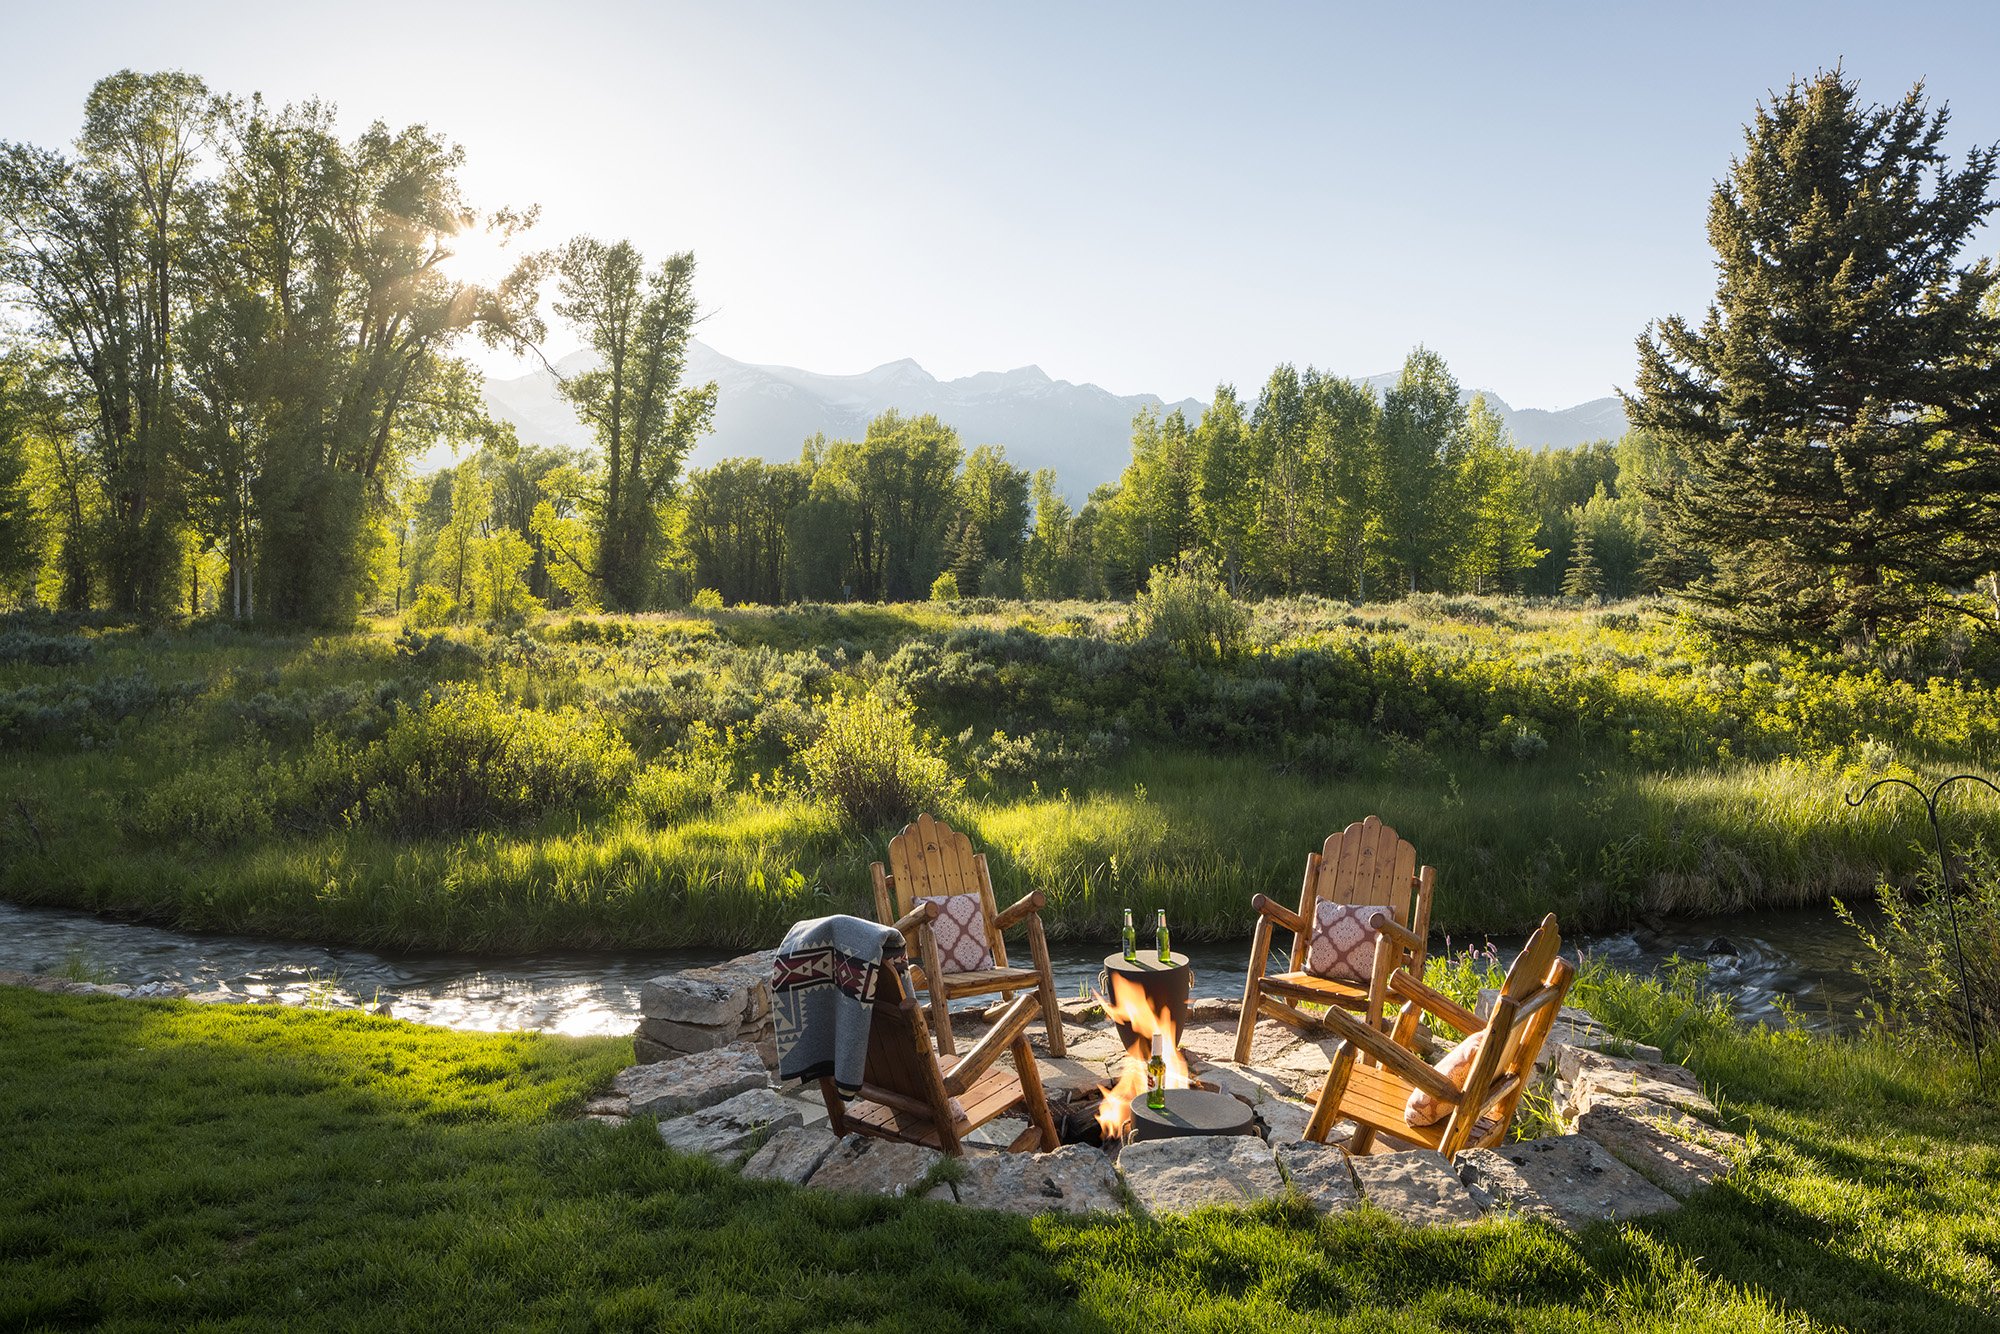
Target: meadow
[707, 778]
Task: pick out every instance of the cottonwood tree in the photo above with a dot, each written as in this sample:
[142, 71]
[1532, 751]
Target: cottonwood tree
[1422, 454]
[1835, 417]
[637, 321]
[1500, 521]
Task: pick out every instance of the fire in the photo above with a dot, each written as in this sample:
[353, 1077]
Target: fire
[1128, 1004]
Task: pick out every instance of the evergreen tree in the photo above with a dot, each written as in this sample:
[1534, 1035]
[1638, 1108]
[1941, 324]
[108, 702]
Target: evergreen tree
[1835, 418]
[1584, 579]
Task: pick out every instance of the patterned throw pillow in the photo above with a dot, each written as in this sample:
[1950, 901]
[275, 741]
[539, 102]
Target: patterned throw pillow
[960, 928]
[1427, 1109]
[1343, 940]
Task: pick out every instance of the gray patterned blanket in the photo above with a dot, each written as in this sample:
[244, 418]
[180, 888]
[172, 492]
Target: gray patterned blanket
[823, 986]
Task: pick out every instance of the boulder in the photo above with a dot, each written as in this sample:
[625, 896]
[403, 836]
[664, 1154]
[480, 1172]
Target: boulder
[695, 997]
[1320, 1173]
[700, 1009]
[1075, 1179]
[791, 1155]
[859, 1165]
[725, 1130]
[1416, 1187]
[679, 1038]
[1175, 1175]
[1663, 1144]
[1214, 1007]
[690, 1083]
[1567, 1180]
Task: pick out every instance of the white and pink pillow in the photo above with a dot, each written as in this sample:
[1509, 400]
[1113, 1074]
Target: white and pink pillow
[1343, 940]
[1427, 1109]
[960, 931]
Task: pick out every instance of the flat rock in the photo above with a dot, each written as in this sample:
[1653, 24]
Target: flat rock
[1320, 1172]
[1176, 1175]
[1248, 1082]
[696, 997]
[998, 1133]
[1567, 1180]
[1284, 1121]
[1214, 1041]
[860, 1165]
[668, 1088]
[1663, 1144]
[1098, 1045]
[1075, 1179]
[1214, 1007]
[1599, 1089]
[219, 996]
[1065, 1074]
[670, 1035]
[791, 1155]
[1417, 1187]
[725, 1130]
[1311, 1058]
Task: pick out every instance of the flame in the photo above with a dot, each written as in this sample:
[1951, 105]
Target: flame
[1128, 1004]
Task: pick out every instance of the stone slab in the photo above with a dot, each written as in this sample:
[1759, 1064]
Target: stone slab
[1320, 1173]
[1214, 1041]
[1063, 1074]
[1665, 1145]
[668, 1088]
[1097, 1046]
[1175, 1175]
[725, 1130]
[859, 1165]
[1592, 1076]
[679, 1037]
[1416, 1187]
[693, 997]
[791, 1155]
[1075, 1179]
[1284, 1121]
[1252, 1084]
[1568, 1180]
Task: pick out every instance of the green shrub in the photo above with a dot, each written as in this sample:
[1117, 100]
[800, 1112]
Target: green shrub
[1912, 970]
[944, 588]
[44, 650]
[1186, 605]
[433, 606]
[699, 774]
[872, 765]
[84, 713]
[222, 801]
[470, 759]
[707, 599]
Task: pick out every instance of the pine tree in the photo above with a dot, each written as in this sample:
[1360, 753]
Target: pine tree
[1585, 579]
[1835, 419]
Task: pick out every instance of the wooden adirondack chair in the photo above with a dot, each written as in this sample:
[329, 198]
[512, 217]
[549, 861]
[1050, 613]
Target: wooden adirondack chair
[1375, 1096]
[909, 1090]
[1365, 863]
[930, 859]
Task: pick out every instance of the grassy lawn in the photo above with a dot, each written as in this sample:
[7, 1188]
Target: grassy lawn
[171, 1166]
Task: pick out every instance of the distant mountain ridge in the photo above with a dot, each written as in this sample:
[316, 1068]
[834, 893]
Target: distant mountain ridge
[1080, 430]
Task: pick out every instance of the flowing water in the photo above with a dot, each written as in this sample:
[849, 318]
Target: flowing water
[1766, 961]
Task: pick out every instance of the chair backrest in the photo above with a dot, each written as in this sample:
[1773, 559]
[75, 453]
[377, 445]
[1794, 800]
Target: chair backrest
[900, 1058]
[931, 859]
[1367, 863]
[1537, 981]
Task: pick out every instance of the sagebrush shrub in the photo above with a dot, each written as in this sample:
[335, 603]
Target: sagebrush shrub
[872, 765]
[469, 759]
[1186, 605]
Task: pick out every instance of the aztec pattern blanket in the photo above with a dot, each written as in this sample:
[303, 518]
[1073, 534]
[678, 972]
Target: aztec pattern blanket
[823, 986]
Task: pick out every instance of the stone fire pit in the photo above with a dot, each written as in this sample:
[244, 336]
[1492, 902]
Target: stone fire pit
[1638, 1135]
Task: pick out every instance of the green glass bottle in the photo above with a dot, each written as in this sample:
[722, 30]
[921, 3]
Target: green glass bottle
[1166, 952]
[1131, 939]
[1156, 1074]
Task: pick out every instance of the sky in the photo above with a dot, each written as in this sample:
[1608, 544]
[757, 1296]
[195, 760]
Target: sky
[1155, 198]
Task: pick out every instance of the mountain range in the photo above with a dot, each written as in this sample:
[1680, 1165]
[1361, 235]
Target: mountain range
[1080, 430]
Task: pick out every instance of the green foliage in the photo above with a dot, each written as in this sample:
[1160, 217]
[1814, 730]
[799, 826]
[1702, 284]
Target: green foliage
[706, 599]
[699, 774]
[871, 763]
[433, 606]
[84, 713]
[1832, 418]
[944, 588]
[219, 804]
[471, 759]
[1915, 947]
[1185, 604]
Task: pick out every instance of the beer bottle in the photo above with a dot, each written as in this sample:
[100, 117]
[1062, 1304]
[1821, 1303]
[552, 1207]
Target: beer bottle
[1156, 1074]
[1131, 939]
[1166, 954]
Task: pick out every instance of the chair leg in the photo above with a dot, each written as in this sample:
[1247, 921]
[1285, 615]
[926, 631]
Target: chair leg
[1052, 1018]
[1326, 1109]
[1037, 1101]
[1246, 1023]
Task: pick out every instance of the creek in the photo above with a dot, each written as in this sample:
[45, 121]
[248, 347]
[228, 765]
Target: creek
[1765, 961]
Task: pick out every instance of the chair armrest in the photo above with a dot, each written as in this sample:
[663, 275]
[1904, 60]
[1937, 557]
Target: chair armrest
[921, 915]
[1014, 1020]
[1401, 934]
[1279, 913]
[1434, 1002]
[1030, 904]
[1413, 1068]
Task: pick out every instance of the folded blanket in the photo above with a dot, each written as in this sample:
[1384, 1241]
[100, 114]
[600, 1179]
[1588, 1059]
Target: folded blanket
[823, 986]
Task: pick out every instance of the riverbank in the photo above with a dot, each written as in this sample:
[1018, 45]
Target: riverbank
[636, 783]
[179, 1165]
